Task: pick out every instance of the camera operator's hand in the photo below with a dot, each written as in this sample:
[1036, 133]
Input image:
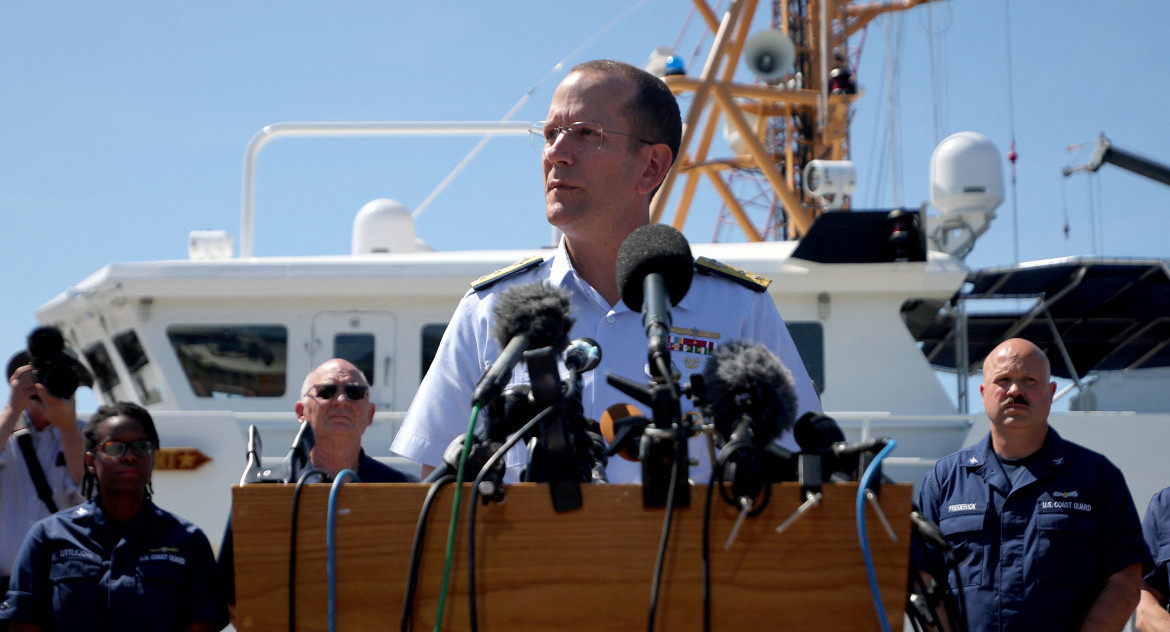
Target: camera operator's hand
[21, 387]
[62, 413]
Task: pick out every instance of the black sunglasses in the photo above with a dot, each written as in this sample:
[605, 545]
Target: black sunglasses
[353, 392]
[116, 449]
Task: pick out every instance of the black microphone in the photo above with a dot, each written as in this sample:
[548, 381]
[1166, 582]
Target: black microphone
[817, 432]
[529, 316]
[654, 272]
[747, 383]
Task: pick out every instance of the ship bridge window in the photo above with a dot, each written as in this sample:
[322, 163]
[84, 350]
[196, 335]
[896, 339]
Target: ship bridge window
[104, 373]
[358, 349]
[232, 360]
[810, 342]
[130, 348]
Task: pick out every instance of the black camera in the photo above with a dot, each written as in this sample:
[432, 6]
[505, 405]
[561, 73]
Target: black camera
[55, 368]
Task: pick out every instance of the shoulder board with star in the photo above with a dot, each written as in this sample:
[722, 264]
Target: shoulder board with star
[490, 279]
[753, 282]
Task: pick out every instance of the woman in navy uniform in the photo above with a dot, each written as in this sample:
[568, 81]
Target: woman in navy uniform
[117, 561]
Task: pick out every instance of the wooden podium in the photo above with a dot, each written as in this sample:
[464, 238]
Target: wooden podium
[589, 569]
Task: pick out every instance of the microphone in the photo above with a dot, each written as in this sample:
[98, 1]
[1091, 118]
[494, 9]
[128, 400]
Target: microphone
[654, 273]
[583, 354]
[817, 432]
[622, 426]
[529, 316]
[749, 389]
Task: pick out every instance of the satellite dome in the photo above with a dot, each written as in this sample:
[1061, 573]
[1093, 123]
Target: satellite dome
[382, 226]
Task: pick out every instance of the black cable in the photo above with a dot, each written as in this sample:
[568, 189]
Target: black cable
[292, 543]
[953, 605]
[666, 523]
[707, 557]
[420, 531]
[471, 510]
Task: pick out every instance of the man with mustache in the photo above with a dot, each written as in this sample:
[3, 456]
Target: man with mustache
[1045, 531]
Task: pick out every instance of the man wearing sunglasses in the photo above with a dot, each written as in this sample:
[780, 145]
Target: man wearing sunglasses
[335, 402]
[48, 429]
[612, 134]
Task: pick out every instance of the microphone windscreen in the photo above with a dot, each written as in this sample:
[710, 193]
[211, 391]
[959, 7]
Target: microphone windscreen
[537, 309]
[654, 248]
[610, 419]
[816, 432]
[747, 378]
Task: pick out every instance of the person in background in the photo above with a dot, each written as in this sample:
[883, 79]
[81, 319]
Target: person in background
[335, 402]
[1046, 530]
[116, 562]
[613, 132]
[35, 422]
[1152, 615]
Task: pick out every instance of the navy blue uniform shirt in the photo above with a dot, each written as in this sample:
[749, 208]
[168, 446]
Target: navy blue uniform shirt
[78, 571]
[1156, 528]
[1036, 556]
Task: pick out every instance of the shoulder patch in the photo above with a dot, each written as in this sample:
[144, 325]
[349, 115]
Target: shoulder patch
[754, 282]
[490, 279]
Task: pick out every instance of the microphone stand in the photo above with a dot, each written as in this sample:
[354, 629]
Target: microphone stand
[553, 459]
[663, 449]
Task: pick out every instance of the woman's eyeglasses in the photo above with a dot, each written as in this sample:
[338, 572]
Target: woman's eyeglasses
[116, 449]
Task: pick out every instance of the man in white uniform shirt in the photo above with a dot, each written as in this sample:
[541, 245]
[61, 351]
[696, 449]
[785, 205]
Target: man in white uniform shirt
[612, 133]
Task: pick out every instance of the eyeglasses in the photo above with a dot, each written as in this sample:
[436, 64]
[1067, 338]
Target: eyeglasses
[581, 135]
[353, 392]
[116, 449]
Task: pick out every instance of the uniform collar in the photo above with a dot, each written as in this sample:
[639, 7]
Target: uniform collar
[562, 274]
[1047, 461]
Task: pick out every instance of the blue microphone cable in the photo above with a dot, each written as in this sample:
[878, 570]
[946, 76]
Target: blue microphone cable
[330, 531]
[862, 486]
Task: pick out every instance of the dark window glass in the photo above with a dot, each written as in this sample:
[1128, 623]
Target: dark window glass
[431, 335]
[232, 360]
[810, 341]
[130, 348]
[358, 349]
[103, 369]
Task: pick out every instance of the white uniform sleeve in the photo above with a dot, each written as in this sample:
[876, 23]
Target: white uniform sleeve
[442, 406]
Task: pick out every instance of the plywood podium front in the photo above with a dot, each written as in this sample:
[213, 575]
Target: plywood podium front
[588, 569]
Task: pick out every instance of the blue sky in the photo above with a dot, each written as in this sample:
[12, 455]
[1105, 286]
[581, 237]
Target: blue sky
[123, 124]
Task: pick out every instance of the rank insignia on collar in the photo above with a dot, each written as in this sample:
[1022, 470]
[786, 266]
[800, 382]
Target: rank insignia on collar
[490, 279]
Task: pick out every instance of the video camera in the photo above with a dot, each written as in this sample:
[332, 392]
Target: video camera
[56, 369]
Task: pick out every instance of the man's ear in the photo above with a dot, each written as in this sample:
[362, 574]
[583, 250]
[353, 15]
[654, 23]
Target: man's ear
[300, 408]
[657, 164]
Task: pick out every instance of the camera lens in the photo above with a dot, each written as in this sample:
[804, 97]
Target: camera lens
[60, 380]
[46, 342]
